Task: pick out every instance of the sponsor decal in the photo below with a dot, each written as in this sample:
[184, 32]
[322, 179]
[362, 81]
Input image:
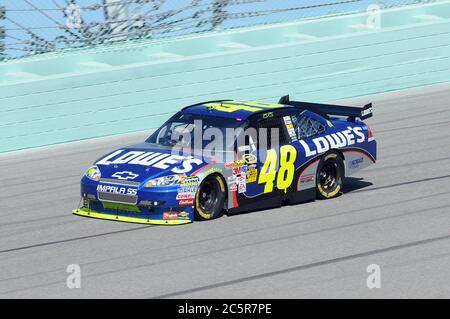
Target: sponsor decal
[250, 106]
[229, 165]
[189, 181]
[231, 178]
[306, 179]
[240, 179]
[239, 163]
[366, 112]
[249, 158]
[183, 215]
[185, 196]
[189, 184]
[186, 202]
[116, 190]
[214, 170]
[356, 163]
[233, 187]
[178, 164]
[267, 115]
[252, 176]
[186, 193]
[170, 215]
[125, 175]
[187, 189]
[236, 165]
[242, 188]
[287, 120]
[244, 148]
[240, 170]
[290, 128]
[341, 139]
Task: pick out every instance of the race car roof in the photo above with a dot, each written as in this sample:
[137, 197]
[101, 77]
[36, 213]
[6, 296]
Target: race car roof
[231, 109]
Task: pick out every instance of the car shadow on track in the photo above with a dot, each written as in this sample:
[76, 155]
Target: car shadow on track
[352, 184]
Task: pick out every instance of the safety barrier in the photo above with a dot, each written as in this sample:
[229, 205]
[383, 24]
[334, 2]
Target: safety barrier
[55, 98]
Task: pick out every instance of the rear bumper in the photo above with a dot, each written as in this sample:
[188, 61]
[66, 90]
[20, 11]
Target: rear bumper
[87, 212]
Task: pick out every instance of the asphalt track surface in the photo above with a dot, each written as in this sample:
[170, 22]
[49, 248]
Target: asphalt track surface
[395, 214]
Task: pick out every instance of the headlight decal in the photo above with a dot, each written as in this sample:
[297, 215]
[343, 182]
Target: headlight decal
[94, 173]
[169, 180]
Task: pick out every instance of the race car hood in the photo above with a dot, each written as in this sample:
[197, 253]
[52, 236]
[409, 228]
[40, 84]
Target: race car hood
[141, 162]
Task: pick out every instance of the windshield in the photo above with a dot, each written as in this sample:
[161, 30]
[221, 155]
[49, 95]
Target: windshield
[197, 131]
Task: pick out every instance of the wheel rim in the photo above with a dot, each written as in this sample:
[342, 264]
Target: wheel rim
[328, 176]
[209, 196]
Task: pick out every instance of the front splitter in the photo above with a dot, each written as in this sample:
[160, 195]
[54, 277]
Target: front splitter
[126, 219]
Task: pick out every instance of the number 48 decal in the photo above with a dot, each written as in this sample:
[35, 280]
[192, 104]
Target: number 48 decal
[285, 174]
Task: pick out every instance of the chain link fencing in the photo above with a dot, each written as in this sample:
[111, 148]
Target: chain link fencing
[29, 27]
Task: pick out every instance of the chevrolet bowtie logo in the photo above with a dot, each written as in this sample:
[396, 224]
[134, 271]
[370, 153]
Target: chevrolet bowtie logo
[125, 175]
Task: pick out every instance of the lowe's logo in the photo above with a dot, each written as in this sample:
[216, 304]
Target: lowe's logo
[125, 175]
[322, 144]
[366, 112]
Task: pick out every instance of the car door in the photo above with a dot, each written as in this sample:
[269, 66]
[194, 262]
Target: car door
[284, 164]
[267, 160]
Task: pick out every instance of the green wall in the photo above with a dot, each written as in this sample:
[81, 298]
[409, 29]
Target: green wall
[80, 94]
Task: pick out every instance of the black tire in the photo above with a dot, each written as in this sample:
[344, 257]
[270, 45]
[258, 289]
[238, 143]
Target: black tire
[210, 198]
[330, 176]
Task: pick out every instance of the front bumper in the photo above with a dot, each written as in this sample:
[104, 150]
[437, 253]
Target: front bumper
[158, 206]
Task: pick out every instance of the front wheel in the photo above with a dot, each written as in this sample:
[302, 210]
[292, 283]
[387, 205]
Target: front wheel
[330, 176]
[210, 198]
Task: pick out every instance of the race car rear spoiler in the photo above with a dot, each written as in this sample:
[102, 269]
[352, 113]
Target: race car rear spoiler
[329, 109]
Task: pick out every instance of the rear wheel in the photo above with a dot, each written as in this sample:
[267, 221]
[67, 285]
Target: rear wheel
[330, 176]
[210, 198]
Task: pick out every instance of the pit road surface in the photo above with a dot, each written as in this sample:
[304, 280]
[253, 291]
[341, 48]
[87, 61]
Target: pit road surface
[397, 216]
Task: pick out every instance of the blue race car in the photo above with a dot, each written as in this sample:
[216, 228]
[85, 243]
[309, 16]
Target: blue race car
[229, 156]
